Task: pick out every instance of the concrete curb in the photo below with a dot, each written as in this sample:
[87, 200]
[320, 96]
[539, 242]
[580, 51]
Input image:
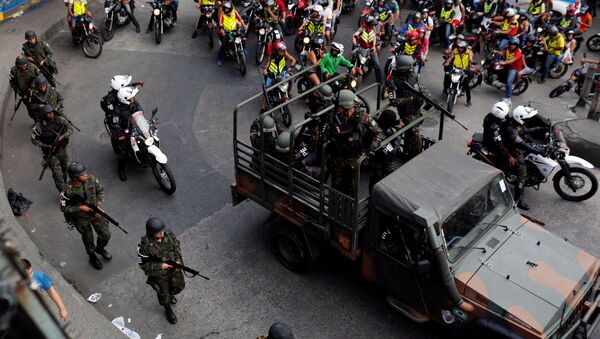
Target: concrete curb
[583, 138]
[91, 323]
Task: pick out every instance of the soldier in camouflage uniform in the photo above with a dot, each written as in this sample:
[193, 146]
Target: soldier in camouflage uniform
[39, 51]
[83, 188]
[156, 247]
[44, 94]
[346, 141]
[21, 80]
[270, 133]
[52, 134]
[407, 104]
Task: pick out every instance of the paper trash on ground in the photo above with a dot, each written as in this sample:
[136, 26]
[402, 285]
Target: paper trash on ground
[120, 323]
[94, 298]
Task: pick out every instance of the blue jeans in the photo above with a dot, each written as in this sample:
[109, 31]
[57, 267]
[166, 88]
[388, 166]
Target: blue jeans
[269, 80]
[511, 75]
[447, 33]
[551, 60]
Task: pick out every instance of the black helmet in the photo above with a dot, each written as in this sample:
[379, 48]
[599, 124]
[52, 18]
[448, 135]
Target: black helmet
[326, 91]
[324, 3]
[370, 21]
[21, 60]
[40, 80]
[46, 109]
[154, 225]
[531, 38]
[387, 119]
[317, 42]
[449, 2]
[30, 34]
[280, 331]
[404, 63]
[553, 30]
[76, 169]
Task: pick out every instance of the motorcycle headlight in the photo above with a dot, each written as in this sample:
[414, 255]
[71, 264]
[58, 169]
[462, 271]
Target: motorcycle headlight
[353, 83]
[455, 77]
[156, 11]
[306, 40]
[482, 62]
[362, 58]
[261, 31]
[149, 141]
[91, 25]
[107, 9]
[283, 87]
[238, 40]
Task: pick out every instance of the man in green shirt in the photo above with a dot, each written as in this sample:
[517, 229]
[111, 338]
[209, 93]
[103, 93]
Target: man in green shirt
[330, 63]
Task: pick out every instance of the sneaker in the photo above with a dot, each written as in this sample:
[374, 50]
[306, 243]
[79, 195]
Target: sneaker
[469, 104]
[137, 29]
[195, 35]
[219, 62]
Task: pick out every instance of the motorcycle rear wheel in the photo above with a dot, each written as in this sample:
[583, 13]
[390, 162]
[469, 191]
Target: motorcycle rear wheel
[164, 177]
[242, 62]
[578, 174]
[593, 43]
[92, 46]
[558, 91]
[558, 71]
[157, 32]
[475, 81]
[106, 32]
[521, 86]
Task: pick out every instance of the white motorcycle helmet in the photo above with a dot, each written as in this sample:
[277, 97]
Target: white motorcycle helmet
[522, 113]
[338, 47]
[500, 110]
[318, 8]
[119, 81]
[126, 93]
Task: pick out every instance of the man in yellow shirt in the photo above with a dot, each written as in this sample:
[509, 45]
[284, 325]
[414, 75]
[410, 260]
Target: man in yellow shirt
[77, 8]
[554, 45]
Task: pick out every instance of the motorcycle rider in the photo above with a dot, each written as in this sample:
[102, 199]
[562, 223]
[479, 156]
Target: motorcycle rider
[52, 134]
[553, 44]
[110, 102]
[77, 8]
[493, 129]
[514, 63]
[367, 38]
[349, 126]
[200, 4]
[120, 125]
[276, 67]
[407, 104]
[331, 61]
[21, 78]
[277, 36]
[518, 144]
[570, 45]
[509, 28]
[411, 46]
[461, 58]
[314, 57]
[525, 28]
[568, 22]
[489, 10]
[327, 15]
[229, 21]
[429, 24]
[39, 51]
[585, 19]
[530, 50]
[385, 16]
[446, 15]
[274, 14]
[314, 24]
[43, 94]
[536, 10]
[414, 24]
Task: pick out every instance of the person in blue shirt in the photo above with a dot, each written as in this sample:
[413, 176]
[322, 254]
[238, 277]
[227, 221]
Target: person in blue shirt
[413, 24]
[41, 281]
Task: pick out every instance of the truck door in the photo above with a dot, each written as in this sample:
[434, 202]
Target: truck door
[395, 257]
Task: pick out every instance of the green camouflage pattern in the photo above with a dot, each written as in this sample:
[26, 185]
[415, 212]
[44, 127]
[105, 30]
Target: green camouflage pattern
[22, 81]
[59, 159]
[41, 51]
[50, 97]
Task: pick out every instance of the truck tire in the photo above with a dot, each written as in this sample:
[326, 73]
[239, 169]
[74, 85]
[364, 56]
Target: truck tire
[291, 249]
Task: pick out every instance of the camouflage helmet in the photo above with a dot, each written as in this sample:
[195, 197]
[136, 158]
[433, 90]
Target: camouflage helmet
[154, 225]
[30, 34]
[283, 142]
[346, 99]
[76, 169]
[46, 109]
[40, 80]
[280, 331]
[326, 91]
[268, 124]
[404, 63]
[21, 60]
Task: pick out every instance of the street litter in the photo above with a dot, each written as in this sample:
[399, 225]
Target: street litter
[94, 298]
[120, 323]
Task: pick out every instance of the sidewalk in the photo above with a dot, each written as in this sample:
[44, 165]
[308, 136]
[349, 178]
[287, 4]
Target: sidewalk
[47, 20]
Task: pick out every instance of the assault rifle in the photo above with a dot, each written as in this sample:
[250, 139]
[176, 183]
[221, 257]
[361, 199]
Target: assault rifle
[97, 210]
[51, 151]
[43, 69]
[433, 103]
[185, 268]
[17, 105]
[60, 114]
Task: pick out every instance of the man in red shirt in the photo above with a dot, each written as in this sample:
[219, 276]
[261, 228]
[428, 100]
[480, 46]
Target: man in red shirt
[513, 64]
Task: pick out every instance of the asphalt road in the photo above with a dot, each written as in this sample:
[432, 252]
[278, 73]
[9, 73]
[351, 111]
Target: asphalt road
[248, 289]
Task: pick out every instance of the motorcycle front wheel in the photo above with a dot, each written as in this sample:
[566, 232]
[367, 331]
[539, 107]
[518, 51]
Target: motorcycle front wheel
[260, 53]
[211, 37]
[582, 179]
[157, 32]
[106, 30]
[451, 99]
[521, 86]
[164, 177]
[475, 81]
[593, 43]
[558, 71]
[298, 43]
[92, 46]
[242, 62]
[559, 90]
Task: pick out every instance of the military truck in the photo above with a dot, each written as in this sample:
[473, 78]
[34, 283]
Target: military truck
[441, 235]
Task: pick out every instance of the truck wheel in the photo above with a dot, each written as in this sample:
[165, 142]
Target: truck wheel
[291, 249]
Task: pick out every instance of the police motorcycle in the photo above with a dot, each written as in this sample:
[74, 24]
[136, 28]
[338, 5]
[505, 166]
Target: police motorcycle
[457, 77]
[234, 48]
[207, 13]
[266, 35]
[163, 17]
[572, 179]
[86, 35]
[144, 148]
[494, 74]
[116, 16]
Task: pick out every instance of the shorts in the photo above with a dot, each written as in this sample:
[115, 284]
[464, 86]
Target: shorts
[455, 22]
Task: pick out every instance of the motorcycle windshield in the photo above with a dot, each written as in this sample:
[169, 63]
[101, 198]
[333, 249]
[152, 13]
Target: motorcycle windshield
[140, 123]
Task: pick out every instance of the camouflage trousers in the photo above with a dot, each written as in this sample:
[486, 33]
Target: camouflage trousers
[59, 165]
[84, 227]
[166, 286]
[412, 138]
[342, 174]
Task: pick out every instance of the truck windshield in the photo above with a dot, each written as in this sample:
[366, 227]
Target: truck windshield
[474, 217]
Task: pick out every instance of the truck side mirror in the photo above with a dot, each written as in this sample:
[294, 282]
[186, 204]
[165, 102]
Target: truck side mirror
[423, 267]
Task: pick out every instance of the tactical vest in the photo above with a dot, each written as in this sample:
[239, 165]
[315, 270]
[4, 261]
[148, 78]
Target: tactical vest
[446, 14]
[348, 142]
[315, 27]
[277, 66]
[382, 13]
[564, 23]
[461, 61]
[275, 10]
[409, 49]
[78, 7]
[507, 24]
[49, 132]
[229, 22]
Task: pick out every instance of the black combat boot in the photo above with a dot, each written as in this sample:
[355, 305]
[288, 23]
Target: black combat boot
[95, 262]
[519, 197]
[101, 250]
[171, 317]
[173, 300]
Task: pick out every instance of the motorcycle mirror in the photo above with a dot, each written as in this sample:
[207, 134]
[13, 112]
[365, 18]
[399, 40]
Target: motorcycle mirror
[154, 111]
